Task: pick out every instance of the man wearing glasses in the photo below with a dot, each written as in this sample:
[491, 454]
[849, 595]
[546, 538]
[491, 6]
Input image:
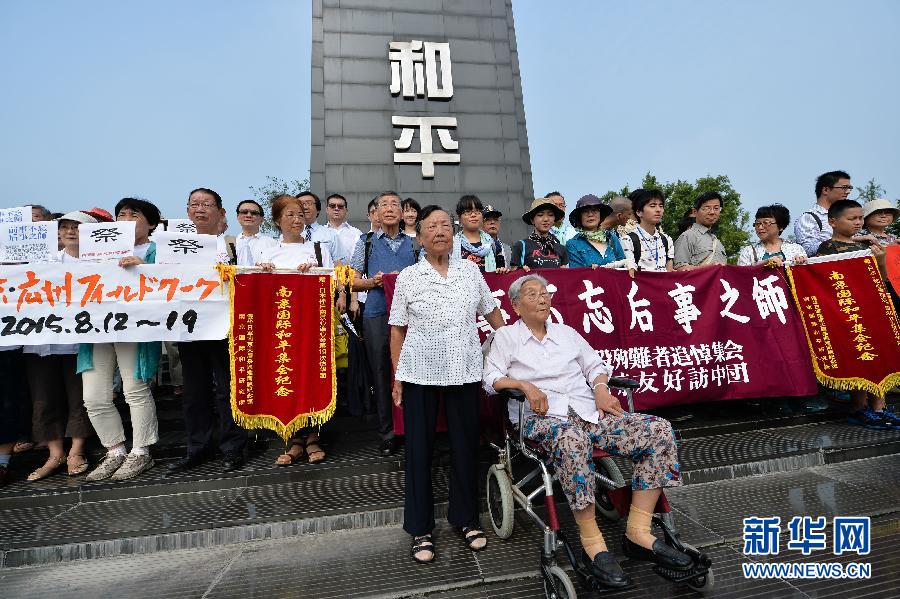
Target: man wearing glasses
[347, 234]
[698, 246]
[205, 364]
[312, 206]
[563, 230]
[250, 217]
[812, 228]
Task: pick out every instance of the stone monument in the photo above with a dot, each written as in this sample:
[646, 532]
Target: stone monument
[419, 96]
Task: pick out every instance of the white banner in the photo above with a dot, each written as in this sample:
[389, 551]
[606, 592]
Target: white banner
[104, 303]
[28, 242]
[105, 241]
[180, 225]
[185, 248]
[15, 215]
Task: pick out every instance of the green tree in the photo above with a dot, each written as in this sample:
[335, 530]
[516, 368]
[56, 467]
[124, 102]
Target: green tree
[680, 196]
[274, 187]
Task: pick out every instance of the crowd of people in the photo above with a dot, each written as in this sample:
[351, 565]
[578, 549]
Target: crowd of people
[425, 344]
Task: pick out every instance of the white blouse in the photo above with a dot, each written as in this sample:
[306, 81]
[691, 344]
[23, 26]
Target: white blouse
[292, 255]
[790, 251]
[441, 346]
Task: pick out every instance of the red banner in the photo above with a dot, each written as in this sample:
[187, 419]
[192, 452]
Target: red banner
[722, 332]
[850, 323]
[282, 356]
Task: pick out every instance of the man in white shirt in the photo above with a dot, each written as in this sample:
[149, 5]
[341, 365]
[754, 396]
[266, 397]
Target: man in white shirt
[347, 234]
[250, 216]
[563, 230]
[812, 228]
[312, 206]
[647, 248]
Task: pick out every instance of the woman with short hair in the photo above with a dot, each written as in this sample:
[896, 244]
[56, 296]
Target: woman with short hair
[473, 244]
[769, 224]
[435, 352]
[137, 363]
[293, 252]
[541, 249]
[569, 412]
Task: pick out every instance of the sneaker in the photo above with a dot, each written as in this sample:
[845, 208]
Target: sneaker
[134, 464]
[869, 418]
[890, 417]
[107, 468]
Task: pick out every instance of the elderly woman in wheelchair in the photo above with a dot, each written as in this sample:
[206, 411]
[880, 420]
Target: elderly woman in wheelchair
[569, 411]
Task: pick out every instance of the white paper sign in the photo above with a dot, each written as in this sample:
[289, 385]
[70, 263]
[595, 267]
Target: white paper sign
[28, 242]
[101, 302]
[181, 225]
[105, 241]
[15, 215]
[185, 248]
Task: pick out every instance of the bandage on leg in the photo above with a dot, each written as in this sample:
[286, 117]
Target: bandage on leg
[637, 529]
[591, 538]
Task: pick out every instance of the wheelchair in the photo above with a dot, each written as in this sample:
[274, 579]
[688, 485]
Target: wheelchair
[612, 501]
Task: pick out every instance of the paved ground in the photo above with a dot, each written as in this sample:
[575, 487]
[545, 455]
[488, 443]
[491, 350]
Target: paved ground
[375, 563]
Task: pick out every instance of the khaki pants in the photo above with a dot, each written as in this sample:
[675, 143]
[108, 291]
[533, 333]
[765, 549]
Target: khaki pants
[98, 396]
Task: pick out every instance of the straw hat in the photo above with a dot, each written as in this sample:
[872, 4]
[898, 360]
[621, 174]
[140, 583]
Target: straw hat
[542, 204]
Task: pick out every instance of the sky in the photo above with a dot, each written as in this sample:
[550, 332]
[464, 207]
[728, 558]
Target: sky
[104, 99]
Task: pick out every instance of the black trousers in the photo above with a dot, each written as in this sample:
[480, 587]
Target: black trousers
[377, 336]
[207, 390]
[420, 410]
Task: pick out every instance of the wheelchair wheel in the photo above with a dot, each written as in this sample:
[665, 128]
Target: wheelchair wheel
[608, 468]
[705, 583]
[500, 501]
[564, 587]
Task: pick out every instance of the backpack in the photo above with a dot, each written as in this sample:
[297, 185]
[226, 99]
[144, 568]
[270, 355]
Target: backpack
[317, 248]
[231, 248]
[367, 251]
[637, 245]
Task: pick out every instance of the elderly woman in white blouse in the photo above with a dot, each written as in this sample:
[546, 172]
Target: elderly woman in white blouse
[435, 351]
[569, 412]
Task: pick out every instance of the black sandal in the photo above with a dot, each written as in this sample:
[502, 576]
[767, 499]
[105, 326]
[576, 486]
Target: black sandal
[423, 543]
[469, 539]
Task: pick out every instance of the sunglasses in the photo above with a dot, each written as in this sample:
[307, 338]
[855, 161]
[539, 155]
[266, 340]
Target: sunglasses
[249, 212]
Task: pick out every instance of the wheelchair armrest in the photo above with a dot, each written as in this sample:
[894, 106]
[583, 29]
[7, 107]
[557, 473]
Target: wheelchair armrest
[512, 394]
[618, 382]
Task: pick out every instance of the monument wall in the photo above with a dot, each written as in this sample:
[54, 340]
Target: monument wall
[388, 74]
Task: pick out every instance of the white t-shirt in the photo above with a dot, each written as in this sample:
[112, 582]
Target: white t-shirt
[140, 251]
[292, 255]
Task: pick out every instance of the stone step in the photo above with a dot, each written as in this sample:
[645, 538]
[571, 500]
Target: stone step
[64, 519]
[376, 563]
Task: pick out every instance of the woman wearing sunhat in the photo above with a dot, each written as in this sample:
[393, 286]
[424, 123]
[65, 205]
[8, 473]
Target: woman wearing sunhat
[540, 249]
[878, 215]
[592, 246]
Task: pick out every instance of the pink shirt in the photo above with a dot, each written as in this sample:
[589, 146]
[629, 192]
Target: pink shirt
[562, 366]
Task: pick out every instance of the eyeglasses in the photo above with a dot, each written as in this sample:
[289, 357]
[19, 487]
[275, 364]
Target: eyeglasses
[764, 223]
[203, 205]
[337, 207]
[715, 208]
[844, 187]
[249, 213]
[292, 215]
[546, 295]
[470, 211]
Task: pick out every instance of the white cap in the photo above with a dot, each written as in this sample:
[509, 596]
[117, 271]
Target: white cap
[879, 204]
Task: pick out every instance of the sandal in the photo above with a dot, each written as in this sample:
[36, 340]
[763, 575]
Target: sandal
[23, 446]
[288, 458]
[47, 469]
[319, 453]
[471, 535]
[79, 468]
[423, 544]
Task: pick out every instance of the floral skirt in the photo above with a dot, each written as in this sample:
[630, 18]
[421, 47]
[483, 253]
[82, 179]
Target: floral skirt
[646, 440]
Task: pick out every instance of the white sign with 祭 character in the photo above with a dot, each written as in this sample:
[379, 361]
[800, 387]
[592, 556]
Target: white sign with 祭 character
[105, 241]
[184, 248]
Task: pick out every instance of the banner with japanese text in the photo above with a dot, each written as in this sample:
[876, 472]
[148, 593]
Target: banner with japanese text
[282, 350]
[850, 323]
[722, 332]
[58, 302]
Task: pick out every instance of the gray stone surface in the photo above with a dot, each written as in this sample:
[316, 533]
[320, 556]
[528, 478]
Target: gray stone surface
[353, 139]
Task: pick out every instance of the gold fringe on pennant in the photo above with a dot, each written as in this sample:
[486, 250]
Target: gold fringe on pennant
[266, 421]
[842, 384]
